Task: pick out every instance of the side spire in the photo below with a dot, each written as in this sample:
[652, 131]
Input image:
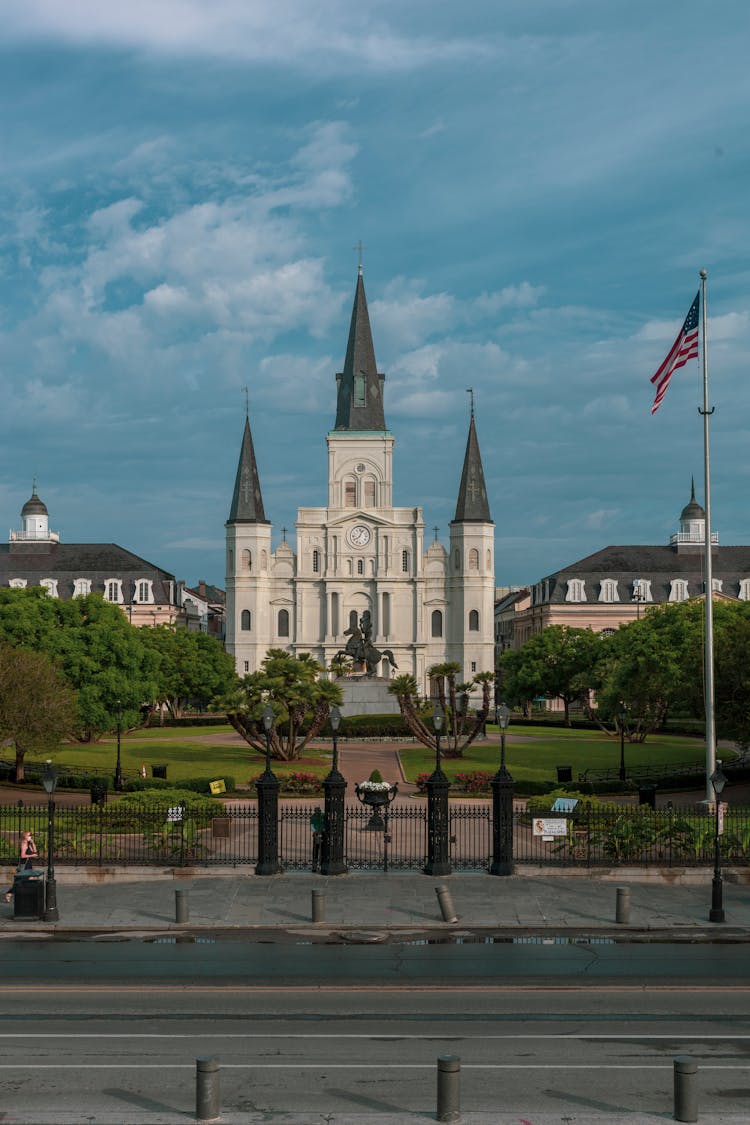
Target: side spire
[359, 403]
[247, 501]
[472, 505]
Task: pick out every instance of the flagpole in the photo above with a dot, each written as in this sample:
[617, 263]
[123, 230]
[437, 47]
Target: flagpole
[708, 656]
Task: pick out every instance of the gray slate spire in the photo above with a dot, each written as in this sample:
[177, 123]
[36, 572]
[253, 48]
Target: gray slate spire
[360, 388]
[472, 505]
[247, 502]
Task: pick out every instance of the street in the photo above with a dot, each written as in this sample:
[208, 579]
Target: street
[109, 1031]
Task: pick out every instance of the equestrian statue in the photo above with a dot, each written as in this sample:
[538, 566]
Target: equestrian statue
[360, 648]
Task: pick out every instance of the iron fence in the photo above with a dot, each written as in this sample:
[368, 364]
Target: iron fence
[102, 835]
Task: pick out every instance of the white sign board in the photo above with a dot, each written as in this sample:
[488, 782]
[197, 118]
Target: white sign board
[543, 826]
[174, 814]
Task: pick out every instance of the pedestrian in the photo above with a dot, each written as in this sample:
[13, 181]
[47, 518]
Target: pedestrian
[27, 853]
[317, 826]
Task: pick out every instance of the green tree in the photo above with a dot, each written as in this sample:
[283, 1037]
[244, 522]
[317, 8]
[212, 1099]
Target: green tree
[192, 667]
[37, 707]
[560, 663]
[294, 687]
[461, 728]
[101, 655]
[732, 668]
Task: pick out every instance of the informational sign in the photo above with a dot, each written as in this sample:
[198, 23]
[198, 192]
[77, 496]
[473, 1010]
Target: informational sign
[544, 826]
[564, 804]
[217, 786]
[174, 814]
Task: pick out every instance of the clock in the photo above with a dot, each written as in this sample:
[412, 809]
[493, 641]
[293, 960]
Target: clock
[359, 536]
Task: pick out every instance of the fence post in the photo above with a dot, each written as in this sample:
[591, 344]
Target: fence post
[181, 906]
[622, 910]
[446, 903]
[449, 1088]
[207, 1089]
[685, 1088]
[318, 906]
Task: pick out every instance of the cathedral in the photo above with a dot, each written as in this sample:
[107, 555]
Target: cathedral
[360, 561]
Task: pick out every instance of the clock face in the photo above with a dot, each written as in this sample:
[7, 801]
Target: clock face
[359, 536]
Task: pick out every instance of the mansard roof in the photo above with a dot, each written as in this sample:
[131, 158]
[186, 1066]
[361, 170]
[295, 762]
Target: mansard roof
[362, 410]
[99, 562]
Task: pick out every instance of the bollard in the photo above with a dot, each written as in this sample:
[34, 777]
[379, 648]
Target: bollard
[207, 1089]
[449, 1088]
[622, 910]
[446, 903]
[181, 906]
[685, 1088]
[318, 906]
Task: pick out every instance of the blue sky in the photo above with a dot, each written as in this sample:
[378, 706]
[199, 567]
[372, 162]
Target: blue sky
[537, 185]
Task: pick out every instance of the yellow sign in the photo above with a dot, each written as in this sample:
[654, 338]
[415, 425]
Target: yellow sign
[217, 787]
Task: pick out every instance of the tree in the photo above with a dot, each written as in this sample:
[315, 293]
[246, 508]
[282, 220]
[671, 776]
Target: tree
[37, 707]
[294, 688]
[732, 670]
[100, 654]
[461, 728]
[193, 667]
[560, 663]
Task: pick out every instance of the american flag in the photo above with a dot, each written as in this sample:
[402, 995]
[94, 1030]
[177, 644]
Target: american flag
[684, 348]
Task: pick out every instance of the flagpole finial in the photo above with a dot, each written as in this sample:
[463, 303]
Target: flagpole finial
[704, 274]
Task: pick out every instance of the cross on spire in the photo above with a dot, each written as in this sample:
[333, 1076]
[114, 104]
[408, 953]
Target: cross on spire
[247, 402]
[283, 535]
[359, 248]
[470, 391]
[436, 529]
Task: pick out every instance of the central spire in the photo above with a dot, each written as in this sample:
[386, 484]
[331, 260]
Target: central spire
[360, 388]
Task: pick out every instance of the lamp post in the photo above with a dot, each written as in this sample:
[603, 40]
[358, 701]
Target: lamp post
[438, 862]
[267, 786]
[502, 804]
[49, 781]
[334, 788]
[118, 766]
[622, 715]
[716, 913]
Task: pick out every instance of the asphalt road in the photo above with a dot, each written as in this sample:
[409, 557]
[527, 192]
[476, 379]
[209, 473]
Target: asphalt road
[109, 1032]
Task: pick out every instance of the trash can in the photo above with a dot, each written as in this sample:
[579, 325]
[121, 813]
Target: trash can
[564, 773]
[159, 771]
[98, 793]
[647, 795]
[28, 894]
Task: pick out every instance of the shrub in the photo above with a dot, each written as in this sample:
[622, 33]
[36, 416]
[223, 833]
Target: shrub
[297, 783]
[376, 776]
[194, 784]
[421, 782]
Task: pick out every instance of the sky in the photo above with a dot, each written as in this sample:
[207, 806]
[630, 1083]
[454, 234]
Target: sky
[536, 186]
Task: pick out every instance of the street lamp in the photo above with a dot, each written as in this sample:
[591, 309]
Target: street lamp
[622, 715]
[502, 718]
[716, 913]
[118, 767]
[49, 781]
[334, 788]
[502, 804]
[438, 862]
[267, 786]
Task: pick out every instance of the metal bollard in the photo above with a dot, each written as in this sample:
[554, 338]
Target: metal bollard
[181, 906]
[318, 906]
[449, 1088]
[622, 910]
[207, 1089]
[446, 903]
[685, 1088]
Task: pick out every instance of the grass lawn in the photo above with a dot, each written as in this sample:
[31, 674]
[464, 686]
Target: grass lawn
[185, 757]
[532, 754]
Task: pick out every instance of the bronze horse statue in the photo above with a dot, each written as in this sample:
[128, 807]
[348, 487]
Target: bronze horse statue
[360, 649]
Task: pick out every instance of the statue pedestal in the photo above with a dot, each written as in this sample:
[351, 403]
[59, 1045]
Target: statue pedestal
[364, 696]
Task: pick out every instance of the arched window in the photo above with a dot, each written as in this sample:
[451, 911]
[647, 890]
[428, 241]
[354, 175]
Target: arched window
[350, 494]
[316, 562]
[457, 559]
[264, 560]
[437, 623]
[369, 493]
[283, 623]
[245, 620]
[247, 560]
[405, 562]
[353, 619]
[360, 566]
[489, 560]
[474, 621]
[473, 559]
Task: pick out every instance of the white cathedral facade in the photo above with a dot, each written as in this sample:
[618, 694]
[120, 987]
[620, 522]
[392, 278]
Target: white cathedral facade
[359, 553]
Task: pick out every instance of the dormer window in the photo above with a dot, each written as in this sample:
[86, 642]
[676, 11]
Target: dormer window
[576, 590]
[81, 587]
[716, 584]
[113, 590]
[144, 591]
[744, 590]
[678, 590]
[642, 590]
[50, 585]
[608, 590]
[17, 583]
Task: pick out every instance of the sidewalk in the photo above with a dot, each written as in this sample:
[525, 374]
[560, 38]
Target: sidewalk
[385, 907]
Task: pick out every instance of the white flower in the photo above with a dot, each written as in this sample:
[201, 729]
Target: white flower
[375, 786]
